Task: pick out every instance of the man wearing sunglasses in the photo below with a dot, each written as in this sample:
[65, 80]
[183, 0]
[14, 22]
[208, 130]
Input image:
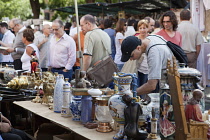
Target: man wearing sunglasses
[18, 47]
[62, 51]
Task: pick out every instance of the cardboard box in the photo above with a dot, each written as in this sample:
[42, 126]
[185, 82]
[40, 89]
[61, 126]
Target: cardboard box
[63, 137]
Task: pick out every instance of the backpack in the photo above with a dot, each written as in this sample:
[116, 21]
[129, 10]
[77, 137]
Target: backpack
[176, 50]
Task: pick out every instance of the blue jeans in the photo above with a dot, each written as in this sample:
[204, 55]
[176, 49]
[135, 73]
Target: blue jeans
[15, 134]
[67, 74]
[120, 66]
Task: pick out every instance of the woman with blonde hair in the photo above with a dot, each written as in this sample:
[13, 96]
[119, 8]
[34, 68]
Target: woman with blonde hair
[142, 65]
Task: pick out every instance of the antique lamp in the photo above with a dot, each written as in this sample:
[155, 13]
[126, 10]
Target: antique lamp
[103, 115]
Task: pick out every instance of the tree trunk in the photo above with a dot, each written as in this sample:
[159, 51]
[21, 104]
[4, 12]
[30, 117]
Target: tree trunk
[35, 6]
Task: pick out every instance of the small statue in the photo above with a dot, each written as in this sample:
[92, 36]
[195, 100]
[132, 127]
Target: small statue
[131, 113]
[34, 62]
[80, 79]
[83, 83]
[192, 109]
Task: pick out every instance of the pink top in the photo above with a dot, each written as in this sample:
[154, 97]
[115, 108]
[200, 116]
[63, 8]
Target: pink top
[177, 39]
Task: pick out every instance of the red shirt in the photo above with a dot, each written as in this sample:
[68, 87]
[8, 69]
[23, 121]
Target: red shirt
[177, 39]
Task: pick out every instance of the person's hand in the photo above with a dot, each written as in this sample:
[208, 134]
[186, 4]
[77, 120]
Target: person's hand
[44, 40]
[10, 50]
[5, 127]
[49, 68]
[4, 119]
[0, 42]
[65, 70]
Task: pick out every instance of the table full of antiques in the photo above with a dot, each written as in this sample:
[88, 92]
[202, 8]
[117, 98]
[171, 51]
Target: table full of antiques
[106, 110]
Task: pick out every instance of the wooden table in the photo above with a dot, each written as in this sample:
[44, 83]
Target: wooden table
[43, 111]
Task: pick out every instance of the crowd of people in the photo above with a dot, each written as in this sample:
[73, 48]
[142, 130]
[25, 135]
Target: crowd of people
[56, 45]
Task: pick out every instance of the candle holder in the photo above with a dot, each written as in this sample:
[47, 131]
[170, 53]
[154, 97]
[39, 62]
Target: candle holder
[103, 115]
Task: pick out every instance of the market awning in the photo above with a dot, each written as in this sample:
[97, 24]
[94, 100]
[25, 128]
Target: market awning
[132, 7]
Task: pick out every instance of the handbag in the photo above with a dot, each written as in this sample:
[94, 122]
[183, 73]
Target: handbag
[103, 71]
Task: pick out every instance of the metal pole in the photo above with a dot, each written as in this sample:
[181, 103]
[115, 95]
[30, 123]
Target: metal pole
[79, 53]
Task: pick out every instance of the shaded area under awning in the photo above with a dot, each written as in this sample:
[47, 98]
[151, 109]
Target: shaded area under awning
[131, 7]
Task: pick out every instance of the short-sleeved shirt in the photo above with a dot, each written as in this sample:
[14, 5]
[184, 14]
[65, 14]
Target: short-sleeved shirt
[8, 38]
[118, 54]
[97, 45]
[176, 39]
[43, 50]
[157, 57]
[191, 36]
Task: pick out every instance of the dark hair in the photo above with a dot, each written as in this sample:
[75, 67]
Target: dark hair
[131, 22]
[67, 25]
[120, 26]
[89, 18]
[28, 34]
[73, 19]
[4, 24]
[107, 23]
[173, 19]
[157, 24]
[136, 25]
[185, 15]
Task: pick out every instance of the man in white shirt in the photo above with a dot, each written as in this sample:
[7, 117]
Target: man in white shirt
[62, 51]
[6, 42]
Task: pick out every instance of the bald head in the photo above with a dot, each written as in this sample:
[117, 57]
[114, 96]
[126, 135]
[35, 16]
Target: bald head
[198, 94]
[89, 18]
[87, 23]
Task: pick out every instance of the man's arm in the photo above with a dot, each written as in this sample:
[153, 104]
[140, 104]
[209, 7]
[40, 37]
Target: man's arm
[5, 45]
[147, 87]
[198, 49]
[86, 62]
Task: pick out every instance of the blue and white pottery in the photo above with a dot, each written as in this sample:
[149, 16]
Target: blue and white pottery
[58, 94]
[117, 106]
[75, 107]
[86, 109]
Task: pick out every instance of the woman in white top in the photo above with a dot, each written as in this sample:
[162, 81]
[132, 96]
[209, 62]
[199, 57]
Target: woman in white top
[142, 65]
[28, 38]
[120, 30]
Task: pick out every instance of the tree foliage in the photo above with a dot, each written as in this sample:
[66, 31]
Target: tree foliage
[13, 8]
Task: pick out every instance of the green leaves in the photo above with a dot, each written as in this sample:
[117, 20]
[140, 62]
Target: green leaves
[13, 8]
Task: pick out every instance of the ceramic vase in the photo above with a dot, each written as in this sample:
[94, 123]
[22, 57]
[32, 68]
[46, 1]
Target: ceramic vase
[75, 108]
[116, 106]
[58, 94]
[86, 109]
[66, 99]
